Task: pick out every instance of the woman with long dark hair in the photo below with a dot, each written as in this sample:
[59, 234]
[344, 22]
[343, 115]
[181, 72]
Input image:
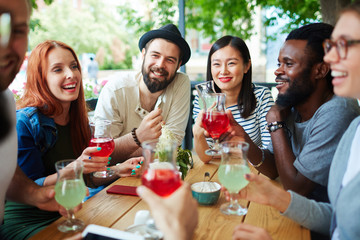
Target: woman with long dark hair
[229, 65]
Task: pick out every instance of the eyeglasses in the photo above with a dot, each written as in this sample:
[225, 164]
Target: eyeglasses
[341, 46]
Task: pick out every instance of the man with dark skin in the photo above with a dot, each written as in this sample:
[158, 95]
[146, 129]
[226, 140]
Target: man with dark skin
[307, 121]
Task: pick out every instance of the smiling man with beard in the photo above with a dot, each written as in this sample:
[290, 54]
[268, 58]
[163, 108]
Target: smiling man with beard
[307, 121]
[139, 104]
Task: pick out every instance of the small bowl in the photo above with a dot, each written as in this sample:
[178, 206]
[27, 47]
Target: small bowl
[206, 193]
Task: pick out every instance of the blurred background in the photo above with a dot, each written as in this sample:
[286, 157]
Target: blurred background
[108, 31]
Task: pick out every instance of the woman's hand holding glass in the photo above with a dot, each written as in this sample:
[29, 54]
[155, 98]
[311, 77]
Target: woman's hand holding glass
[198, 128]
[129, 168]
[92, 163]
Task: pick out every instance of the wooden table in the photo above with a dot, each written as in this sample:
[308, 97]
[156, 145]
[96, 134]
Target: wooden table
[118, 212]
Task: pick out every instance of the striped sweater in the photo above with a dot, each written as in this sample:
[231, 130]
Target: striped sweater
[255, 124]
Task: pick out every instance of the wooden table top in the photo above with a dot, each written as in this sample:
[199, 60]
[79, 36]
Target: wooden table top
[118, 212]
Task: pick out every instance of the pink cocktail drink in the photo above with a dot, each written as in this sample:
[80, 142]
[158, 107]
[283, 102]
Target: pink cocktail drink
[107, 146]
[162, 181]
[216, 123]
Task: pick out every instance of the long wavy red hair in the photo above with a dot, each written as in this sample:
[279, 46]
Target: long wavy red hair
[37, 94]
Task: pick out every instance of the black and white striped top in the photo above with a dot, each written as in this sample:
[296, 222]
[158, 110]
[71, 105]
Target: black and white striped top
[255, 124]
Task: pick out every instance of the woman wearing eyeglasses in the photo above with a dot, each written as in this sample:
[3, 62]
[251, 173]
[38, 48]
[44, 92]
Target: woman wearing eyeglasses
[339, 218]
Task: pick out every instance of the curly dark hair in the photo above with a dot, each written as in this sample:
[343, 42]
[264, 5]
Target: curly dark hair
[314, 34]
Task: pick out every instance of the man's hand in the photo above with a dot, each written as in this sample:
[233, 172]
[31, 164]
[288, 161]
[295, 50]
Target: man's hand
[44, 198]
[176, 216]
[277, 113]
[250, 232]
[150, 126]
[235, 132]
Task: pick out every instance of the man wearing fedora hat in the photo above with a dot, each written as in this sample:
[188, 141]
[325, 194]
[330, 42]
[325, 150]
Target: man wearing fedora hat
[139, 104]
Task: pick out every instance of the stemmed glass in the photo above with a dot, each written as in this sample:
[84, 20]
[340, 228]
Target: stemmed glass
[101, 137]
[215, 120]
[160, 172]
[70, 190]
[204, 89]
[231, 173]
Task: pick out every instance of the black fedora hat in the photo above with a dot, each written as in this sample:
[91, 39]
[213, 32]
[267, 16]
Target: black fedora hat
[169, 32]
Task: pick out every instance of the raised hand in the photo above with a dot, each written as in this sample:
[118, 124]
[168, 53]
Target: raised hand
[277, 113]
[150, 126]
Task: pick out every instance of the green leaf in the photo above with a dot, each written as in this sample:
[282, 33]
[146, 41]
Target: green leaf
[184, 160]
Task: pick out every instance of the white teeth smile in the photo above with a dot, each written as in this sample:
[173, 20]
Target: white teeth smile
[338, 74]
[158, 73]
[70, 86]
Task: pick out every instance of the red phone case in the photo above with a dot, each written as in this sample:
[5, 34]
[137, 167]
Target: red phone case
[122, 189]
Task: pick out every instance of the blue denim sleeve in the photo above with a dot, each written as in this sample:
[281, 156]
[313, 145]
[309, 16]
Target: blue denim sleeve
[40, 181]
[29, 156]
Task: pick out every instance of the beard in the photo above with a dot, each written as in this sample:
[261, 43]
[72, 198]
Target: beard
[154, 84]
[298, 92]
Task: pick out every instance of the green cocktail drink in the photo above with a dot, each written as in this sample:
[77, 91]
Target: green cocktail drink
[70, 193]
[231, 176]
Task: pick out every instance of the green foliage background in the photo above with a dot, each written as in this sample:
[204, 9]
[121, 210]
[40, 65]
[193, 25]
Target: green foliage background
[215, 18]
[85, 31]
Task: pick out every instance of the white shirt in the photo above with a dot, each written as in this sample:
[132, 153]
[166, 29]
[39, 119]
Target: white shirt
[119, 102]
[8, 152]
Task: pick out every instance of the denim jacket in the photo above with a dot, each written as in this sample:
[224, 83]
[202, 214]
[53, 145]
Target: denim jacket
[37, 133]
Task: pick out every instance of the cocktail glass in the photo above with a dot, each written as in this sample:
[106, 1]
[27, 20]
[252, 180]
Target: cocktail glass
[231, 173]
[101, 137]
[160, 172]
[215, 119]
[203, 89]
[70, 190]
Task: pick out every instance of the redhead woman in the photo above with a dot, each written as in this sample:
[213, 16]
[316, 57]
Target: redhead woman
[52, 125]
[229, 65]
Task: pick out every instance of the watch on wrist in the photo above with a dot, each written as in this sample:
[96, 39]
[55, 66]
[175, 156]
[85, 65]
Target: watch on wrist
[273, 126]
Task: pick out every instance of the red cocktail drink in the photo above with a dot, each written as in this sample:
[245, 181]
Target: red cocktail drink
[162, 181]
[107, 146]
[216, 123]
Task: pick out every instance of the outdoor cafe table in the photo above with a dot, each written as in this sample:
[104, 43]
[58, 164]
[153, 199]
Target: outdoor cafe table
[118, 212]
